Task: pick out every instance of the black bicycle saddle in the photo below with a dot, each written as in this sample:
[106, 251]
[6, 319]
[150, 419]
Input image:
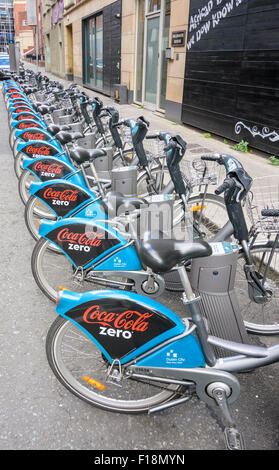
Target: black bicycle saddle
[53, 129]
[161, 255]
[81, 155]
[65, 137]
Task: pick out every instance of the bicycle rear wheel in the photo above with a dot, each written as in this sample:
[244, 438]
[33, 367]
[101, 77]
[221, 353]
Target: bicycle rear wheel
[72, 355]
[260, 318]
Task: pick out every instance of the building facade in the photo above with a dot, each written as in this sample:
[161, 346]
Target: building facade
[7, 32]
[52, 14]
[23, 32]
[125, 42]
[212, 64]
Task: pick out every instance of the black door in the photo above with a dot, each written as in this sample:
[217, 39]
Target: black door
[112, 45]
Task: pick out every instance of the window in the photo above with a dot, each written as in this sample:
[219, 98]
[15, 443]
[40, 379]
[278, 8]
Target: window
[154, 5]
[93, 40]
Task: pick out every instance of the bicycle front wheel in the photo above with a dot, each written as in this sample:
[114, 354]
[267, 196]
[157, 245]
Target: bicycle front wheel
[72, 355]
[260, 318]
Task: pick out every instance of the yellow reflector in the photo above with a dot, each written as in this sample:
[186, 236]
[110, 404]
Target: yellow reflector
[37, 204]
[197, 208]
[94, 383]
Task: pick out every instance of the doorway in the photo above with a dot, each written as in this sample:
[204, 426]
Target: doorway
[70, 62]
[153, 24]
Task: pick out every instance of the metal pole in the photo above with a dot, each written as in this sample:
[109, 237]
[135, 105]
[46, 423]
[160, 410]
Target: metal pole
[37, 48]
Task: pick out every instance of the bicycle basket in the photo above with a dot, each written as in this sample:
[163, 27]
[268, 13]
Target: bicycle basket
[126, 136]
[154, 149]
[203, 173]
[264, 194]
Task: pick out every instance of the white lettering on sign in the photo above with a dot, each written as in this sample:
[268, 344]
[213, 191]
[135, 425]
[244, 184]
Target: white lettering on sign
[205, 19]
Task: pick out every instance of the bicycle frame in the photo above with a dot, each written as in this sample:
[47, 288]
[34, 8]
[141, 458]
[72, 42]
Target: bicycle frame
[177, 355]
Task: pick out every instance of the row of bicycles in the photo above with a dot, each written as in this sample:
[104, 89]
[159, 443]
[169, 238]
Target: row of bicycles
[125, 223]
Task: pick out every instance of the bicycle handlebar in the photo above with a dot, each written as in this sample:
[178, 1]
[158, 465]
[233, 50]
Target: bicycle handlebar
[270, 212]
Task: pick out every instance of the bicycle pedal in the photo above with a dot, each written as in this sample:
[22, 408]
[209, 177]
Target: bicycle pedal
[234, 439]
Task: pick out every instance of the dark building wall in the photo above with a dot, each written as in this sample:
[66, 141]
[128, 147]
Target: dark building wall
[231, 85]
[111, 46]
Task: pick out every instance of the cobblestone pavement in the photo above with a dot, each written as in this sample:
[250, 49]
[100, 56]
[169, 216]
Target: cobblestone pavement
[38, 413]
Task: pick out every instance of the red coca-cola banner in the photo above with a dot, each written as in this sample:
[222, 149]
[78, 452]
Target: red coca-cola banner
[86, 239]
[43, 150]
[127, 320]
[33, 136]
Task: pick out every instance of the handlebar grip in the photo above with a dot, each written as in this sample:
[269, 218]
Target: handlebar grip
[119, 124]
[152, 136]
[210, 158]
[226, 185]
[270, 212]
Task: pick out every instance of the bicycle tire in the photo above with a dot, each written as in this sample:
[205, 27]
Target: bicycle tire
[23, 185]
[107, 400]
[32, 217]
[252, 312]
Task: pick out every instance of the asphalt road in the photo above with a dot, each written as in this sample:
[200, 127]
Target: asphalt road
[38, 413]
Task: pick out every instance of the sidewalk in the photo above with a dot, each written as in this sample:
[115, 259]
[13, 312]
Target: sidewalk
[256, 164]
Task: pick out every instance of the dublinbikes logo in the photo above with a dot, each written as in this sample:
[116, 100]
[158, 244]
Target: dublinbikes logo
[117, 324]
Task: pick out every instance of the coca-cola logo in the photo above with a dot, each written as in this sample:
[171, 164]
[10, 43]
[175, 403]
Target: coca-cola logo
[21, 117]
[51, 168]
[43, 150]
[19, 110]
[131, 320]
[24, 125]
[16, 96]
[65, 195]
[86, 239]
[30, 136]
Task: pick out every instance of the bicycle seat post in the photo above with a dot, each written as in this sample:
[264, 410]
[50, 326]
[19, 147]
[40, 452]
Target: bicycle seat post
[96, 178]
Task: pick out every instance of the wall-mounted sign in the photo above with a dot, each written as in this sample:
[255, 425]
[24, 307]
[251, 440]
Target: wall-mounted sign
[178, 38]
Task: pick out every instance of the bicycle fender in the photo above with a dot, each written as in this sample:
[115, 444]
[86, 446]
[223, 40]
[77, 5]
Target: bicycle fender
[32, 133]
[61, 196]
[24, 115]
[47, 168]
[37, 148]
[83, 241]
[122, 324]
[21, 109]
[27, 123]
